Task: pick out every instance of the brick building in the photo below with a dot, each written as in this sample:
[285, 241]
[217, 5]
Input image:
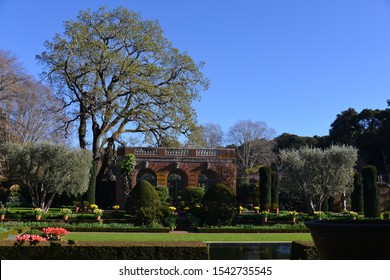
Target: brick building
[179, 169]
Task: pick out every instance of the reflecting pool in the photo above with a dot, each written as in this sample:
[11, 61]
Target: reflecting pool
[250, 251]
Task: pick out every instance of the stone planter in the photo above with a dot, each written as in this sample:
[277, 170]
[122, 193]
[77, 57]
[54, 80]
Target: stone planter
[351, 240]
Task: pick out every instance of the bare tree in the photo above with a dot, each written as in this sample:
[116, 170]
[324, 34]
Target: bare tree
[11, 74]
[253, 144]
[29, 110]
[35, 115]
[212, 135]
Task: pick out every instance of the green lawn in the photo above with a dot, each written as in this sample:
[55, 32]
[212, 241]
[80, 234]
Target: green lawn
[169, 237]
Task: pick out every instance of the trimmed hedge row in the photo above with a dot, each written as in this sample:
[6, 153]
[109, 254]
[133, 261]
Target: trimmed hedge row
[303, 250]
[105, 251]
[105, 229]
[264, 229]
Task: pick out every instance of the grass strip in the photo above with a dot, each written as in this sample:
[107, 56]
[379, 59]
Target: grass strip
[185, 237]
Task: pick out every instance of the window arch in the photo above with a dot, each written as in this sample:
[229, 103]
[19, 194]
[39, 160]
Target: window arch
[148, 175]
[206, 179]
[177, 182]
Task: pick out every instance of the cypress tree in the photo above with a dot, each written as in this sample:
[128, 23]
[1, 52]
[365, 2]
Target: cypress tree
[265, 187]
[275, 191]
[357, 194]
[370, 192]
[325, 204]
[92, 184]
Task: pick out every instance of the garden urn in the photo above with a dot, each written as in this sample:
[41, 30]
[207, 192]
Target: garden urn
[351, 240]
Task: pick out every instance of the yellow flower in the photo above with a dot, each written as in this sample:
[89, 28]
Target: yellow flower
[66, 211]
[115, 207]
[353, 214]
[293, 213]
[98, 212]
[93, 206]
[38, 211]
[172, 208]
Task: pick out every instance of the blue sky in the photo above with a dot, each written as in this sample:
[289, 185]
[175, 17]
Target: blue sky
[292, 64]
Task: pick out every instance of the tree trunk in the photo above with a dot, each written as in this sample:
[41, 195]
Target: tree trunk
[49, 202]
[309, 205]
[82, 127]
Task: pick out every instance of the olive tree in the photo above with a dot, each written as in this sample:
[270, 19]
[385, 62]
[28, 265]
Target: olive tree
[317, 173]
[47, 170]
[118, 75]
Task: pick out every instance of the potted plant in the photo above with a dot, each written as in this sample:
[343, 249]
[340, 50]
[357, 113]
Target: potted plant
[65, 212]
[76, 205]
[170, 220]
[85, 205]
[3, 211]
[38, 213]
[98, 213]
[353, 215]
[116, 208]
[319, 215]
[257, 209]
[264, 216]
[240, 209]
[293, 215]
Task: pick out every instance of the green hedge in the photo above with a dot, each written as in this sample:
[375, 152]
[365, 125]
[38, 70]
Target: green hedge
[106, 251]
[262, 229]
[303, 250]
[105, 229]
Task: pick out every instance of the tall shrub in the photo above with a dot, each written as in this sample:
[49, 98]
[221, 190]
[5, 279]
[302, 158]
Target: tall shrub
[275, 191]
[370, 192]
[163, 193]
[357, 194]
[219, 204]
[144, 204]
[194, 196]
[265, 187]
[92, 184]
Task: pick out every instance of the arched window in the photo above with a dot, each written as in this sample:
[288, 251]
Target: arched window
[177, 182]
[147, 175]
[206, 179]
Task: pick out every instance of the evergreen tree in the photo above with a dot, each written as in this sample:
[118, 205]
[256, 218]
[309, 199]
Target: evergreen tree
[370, 192]
[265, 187]
[357, 202]
[275, 191]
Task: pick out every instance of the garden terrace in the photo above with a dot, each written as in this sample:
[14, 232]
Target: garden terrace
[179, 169]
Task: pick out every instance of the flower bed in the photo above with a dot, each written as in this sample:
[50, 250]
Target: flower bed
[86, 227]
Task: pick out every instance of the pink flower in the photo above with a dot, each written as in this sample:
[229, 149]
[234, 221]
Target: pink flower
[54, 233]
